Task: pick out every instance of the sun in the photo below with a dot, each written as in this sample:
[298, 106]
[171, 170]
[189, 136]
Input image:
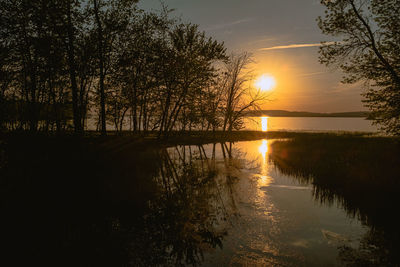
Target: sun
[265, 82]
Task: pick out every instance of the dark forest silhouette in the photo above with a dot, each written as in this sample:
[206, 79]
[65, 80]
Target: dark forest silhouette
[64, 63]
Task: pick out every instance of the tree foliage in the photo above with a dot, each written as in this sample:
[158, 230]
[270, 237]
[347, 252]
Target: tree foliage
[369, 51]
[74, 64]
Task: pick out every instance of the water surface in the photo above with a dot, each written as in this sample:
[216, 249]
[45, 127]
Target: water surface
[325, 201]
[309, 124]
[278, 222]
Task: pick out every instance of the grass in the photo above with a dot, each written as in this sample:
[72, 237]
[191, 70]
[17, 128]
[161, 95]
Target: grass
[360, 174]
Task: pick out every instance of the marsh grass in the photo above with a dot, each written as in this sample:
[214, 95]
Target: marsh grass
[360, 174]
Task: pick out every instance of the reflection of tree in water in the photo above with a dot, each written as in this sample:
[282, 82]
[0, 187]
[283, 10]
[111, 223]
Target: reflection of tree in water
[189, 214]
[361, 175]
[110, 205]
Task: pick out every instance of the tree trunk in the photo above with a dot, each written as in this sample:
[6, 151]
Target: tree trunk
[101, 69]
[72, 74]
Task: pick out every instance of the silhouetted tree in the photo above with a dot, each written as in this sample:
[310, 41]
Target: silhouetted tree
[5, 81]
[239, 95]
[369, 50]
[40, 67]
[135, 68]
[70, 26]
[62, 61]
[33, 66]
[187, 66]
[111, 19]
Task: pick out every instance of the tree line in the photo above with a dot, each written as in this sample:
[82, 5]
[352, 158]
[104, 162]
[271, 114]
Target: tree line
[69, 64]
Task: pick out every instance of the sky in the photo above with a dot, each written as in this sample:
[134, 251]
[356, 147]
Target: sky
[283, 37]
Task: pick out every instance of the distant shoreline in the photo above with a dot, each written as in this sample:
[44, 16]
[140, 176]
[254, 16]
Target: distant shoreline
[285, 113]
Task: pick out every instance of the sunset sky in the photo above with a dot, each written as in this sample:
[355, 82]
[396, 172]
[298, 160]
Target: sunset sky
[283, 37]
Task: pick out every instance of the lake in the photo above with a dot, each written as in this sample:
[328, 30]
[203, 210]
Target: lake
[276, 221]
[325, 201]
[314, 124]
[309, 124]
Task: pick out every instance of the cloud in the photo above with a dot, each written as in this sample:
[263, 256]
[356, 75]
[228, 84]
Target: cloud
[225, 25]
[294, 46]
[311, 74]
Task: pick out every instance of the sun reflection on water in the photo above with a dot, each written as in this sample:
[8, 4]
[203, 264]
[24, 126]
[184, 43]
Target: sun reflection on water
[264, 124]
[265, 179]
[263, 149]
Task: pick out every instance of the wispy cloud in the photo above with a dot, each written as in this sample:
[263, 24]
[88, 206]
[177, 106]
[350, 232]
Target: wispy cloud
[311, 74]
[294, 46]
[229, 24]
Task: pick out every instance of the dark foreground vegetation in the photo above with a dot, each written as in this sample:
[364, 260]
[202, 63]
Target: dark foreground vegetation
[114, 201]
[175, 137]
[108, 202]
[362, 175]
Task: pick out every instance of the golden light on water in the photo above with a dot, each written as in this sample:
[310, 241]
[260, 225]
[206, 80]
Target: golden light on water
[264, 178]
[264, 124]
[265, 82]
[263, 149]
